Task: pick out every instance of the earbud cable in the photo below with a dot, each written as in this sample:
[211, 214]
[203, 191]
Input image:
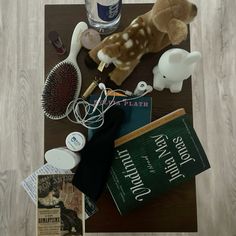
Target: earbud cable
[93, 114]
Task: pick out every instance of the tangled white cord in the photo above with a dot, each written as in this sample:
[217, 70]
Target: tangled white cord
[90, 115]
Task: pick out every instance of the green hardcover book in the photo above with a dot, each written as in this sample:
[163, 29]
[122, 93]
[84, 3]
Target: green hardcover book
[154, 158]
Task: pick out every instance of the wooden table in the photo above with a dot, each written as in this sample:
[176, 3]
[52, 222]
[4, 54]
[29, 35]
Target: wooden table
[174, 211]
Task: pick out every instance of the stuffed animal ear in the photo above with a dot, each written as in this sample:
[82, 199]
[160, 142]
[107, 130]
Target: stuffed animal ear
[160, 19]
[177, 31]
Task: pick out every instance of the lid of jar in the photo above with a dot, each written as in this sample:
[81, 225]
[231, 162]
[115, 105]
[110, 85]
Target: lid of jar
[75, 141]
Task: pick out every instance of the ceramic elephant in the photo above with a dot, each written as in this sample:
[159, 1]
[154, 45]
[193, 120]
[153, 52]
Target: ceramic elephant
[174, 66]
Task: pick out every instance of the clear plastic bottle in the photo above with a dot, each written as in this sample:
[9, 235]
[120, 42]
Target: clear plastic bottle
[104, 15]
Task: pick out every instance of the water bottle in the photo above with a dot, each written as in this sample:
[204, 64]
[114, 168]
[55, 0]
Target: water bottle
[104, 15]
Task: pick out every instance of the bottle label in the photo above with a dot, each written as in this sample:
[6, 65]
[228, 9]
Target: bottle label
[109, 13]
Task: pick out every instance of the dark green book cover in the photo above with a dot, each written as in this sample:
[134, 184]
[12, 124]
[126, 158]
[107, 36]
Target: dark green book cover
[138, 112]
[154, 158]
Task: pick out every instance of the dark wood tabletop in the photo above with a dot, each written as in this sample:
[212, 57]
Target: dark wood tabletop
[174, 211]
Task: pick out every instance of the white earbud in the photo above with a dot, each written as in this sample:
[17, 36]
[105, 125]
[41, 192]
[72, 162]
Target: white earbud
[103, 87]
[142, 89]
[149, 89]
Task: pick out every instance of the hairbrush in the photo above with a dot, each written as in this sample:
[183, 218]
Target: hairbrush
[63, 83]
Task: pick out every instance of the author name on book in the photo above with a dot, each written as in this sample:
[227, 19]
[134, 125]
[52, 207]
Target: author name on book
[172, 168]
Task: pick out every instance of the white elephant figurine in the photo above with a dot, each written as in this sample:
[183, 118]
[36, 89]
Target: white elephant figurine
[174, 66]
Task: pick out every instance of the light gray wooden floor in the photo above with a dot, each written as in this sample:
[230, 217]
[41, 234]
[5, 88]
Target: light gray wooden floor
[21, 118]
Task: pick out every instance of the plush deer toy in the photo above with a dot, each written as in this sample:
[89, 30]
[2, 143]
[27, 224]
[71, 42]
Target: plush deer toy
[165, 24]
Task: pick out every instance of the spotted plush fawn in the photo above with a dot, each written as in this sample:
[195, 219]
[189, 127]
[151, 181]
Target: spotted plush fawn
[166, 23]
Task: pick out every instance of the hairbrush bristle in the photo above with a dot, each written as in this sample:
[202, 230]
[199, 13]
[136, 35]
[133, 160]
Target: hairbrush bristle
[61, 87]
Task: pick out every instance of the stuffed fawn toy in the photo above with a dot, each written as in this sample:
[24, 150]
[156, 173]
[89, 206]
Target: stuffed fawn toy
[165, 24]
